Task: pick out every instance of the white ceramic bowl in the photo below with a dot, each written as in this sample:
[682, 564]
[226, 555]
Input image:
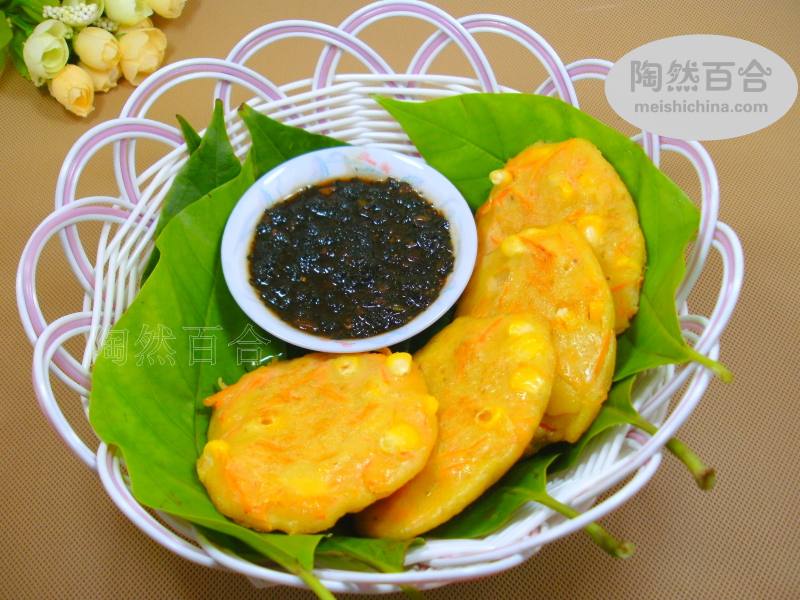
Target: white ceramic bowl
[335, 163]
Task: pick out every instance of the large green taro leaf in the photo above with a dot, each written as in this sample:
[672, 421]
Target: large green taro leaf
[467, 137]
[212, 163]
[157, 366]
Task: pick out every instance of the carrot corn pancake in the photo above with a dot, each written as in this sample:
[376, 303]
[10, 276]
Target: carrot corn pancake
[492, 378]
[553, 272]
[295, 445]
[570, 181]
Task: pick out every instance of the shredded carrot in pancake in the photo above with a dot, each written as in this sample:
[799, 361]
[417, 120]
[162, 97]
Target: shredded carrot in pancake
[297, 444]
[492, 377]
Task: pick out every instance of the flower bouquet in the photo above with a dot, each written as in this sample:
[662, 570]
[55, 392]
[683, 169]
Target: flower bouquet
[81, 47]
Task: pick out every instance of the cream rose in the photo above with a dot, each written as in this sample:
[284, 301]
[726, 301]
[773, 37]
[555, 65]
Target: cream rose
[97, 48]
[45, 51]
[73, 88]
[127, 12]
[103, 80]
[143, 24]
[142, 53]
[170, 9]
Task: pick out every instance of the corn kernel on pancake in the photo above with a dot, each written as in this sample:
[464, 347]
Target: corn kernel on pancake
[552, 272]
[297, 444]
[492, 378]
[570, 181]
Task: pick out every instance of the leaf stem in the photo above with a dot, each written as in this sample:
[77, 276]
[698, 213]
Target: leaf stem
[705, 476]
[412, 592]
[314, 584]
[716, 367]
[601, 537]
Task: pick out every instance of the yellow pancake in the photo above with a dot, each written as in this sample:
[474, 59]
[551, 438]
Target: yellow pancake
[492, 378]
[553, 272]
[571, 181]
[297, 444]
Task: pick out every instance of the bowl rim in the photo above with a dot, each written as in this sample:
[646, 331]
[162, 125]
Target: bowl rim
[329, 164]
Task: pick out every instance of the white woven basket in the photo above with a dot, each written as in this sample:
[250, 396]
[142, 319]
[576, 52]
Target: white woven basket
[340, 105]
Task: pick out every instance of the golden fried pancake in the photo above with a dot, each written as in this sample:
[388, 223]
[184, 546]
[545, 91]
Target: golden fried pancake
[297, 444]
[492, 378]
[553, 272]
[570, 181]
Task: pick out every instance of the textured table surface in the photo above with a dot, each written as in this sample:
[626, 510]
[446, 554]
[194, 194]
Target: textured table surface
[63, 538]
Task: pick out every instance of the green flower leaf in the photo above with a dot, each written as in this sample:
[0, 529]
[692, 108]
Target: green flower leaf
[33, 9]
[15, 50]
[6, 34]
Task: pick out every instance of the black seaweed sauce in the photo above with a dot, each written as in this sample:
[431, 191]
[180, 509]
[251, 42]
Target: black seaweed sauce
[351, 258]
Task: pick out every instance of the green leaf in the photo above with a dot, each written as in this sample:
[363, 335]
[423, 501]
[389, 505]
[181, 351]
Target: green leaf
[279, 142]
[150, 405]
[337, 552]
[296, 544]
[22, 22]
[32, 9]
[619, 410]
[191, 136]
[495, 507]
[525, 482]
[213, 164]
[363, 554]
[154, 413]
[146, 406]
[468, 136]
[334, 552]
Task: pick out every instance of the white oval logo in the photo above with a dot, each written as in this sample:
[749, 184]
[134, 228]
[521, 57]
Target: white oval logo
[701, 87]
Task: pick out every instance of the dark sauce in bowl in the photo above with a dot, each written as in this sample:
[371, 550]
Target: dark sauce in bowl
[351, 258]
